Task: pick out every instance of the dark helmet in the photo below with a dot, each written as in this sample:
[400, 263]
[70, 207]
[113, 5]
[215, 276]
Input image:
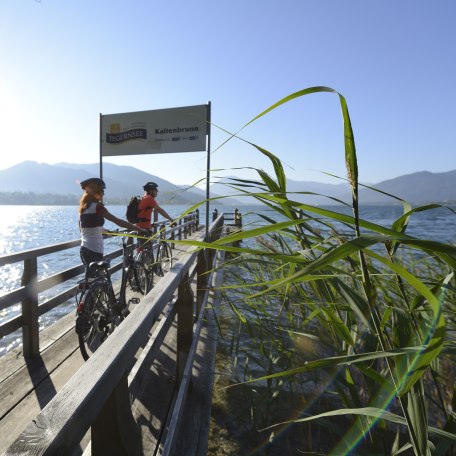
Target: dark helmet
[93, 180]
[150, 186]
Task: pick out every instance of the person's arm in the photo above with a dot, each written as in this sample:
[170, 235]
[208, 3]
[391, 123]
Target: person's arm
[123, 223]
[162, 212]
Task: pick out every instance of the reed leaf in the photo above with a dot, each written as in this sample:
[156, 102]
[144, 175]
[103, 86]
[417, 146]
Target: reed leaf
[372, 412]
[433, 342]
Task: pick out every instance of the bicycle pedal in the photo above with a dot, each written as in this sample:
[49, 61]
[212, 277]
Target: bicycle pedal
[134, 301]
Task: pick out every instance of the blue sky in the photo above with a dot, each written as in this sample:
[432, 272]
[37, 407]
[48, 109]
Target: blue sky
[63, 63]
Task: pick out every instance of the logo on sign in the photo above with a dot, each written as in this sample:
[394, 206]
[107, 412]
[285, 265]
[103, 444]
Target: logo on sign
[117, 137]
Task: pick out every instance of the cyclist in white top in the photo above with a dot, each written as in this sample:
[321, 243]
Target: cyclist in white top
[92, 215]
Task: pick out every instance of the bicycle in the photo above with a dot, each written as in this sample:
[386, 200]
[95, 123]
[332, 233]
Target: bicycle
[99, 309]
[160, 263]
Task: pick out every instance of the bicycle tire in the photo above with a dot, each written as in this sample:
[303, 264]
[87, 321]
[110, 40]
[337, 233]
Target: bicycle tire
[146, 257]
[142, 277]
[94, 322]
[131, 279]
[164, 259]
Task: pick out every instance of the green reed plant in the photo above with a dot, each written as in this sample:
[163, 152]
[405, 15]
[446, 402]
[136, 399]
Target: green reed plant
[319, 317]
[385, 326]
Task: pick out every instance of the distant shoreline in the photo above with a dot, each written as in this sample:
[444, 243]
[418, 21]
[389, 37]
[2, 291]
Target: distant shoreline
[56, 199]
[117, 203]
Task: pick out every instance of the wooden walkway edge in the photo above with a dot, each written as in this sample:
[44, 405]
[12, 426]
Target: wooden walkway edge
[29, 386]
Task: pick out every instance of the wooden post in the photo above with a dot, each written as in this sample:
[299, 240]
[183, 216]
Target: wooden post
[193, 222]
[180, 230]
[185, 230]
[214, 214]
[155, 220]
[115, 431]
[237, 218]
[201, 280]
[188, 219]
[172, 237]
[184, 306]
[30, 327]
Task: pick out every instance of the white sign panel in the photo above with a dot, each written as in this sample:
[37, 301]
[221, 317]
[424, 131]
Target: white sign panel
[154, 132]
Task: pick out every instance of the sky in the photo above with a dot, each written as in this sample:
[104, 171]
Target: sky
[65, 63]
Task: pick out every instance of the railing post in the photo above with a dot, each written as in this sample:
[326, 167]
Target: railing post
[237, 218]
[172, 237]
[30, 327]
[197, 219]
[188, 220]
[180, 230]
[115, 430]
[184, 306]
[201, 279]
[185, 230]
[155, 221]
[188, 228]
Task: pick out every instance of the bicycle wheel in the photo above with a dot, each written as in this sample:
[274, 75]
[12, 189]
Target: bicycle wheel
[146, 257]
[142, 277]
[139, 278]
[164, 259]
[94, 322]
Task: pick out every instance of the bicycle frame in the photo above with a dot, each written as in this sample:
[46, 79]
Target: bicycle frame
[99, 309]
[151, 260]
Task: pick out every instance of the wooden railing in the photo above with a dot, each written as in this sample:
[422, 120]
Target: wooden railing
[231, 218]
[97, 396]
[28, 293]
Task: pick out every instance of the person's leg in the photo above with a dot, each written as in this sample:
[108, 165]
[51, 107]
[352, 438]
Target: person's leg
[87, 257]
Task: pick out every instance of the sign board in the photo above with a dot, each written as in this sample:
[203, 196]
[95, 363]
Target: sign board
[154, 132]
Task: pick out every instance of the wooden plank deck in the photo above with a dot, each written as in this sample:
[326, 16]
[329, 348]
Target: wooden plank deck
[26, 387]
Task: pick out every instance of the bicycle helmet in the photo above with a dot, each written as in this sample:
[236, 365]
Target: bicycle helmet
[93, 180]
[150, 186]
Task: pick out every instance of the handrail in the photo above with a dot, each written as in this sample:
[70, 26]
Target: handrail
[97, 396]
[28, 293]
[234, 217]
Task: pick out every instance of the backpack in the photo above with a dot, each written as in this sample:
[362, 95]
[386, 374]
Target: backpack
[132, 210]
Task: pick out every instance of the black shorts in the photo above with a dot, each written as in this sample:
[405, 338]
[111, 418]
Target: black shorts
[88, 256]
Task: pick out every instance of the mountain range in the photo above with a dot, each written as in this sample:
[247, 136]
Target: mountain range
[49, 181]
[417, 188]
[63, 179]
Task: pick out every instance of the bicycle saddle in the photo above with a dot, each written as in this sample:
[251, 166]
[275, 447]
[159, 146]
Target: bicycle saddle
[96, 265]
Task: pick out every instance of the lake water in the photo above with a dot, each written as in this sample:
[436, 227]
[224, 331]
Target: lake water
[27, 227]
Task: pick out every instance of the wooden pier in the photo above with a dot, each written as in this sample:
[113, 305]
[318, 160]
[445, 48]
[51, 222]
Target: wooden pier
[146, 391]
